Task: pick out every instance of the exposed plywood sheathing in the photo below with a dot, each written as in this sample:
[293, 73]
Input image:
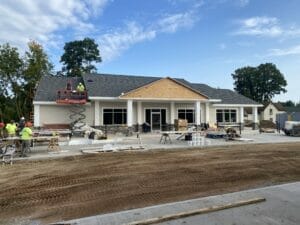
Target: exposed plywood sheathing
[165, 88]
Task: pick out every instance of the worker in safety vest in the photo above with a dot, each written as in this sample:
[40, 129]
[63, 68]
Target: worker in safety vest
[80, 87]
[11, 128]
[26, 135]
[2, 126]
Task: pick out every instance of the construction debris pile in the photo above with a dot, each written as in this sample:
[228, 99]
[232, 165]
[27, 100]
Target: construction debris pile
[267, 126]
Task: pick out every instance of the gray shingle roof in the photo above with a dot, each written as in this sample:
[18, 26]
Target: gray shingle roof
[49, 85]
[109, 85]
[227, 96]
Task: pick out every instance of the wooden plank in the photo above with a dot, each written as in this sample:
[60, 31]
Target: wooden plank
[164, 88]
[197, 212]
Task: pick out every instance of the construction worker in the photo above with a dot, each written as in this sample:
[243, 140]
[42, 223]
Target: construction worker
[21, 124]
[2, 125]
[80, 87]
[11, 128]
[26, 135]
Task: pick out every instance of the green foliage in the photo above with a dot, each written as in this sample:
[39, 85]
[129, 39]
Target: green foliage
[18, 79]
[11, 66]
[37, 65]
[36, 62]
[260, 83]
[288, 103]
[11, 80]
[79, 56]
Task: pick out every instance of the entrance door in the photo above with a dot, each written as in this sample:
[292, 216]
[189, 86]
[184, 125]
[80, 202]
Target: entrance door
[156, 120]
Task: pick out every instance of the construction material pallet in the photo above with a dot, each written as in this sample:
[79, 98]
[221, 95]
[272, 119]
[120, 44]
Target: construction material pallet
[112, 149]
[216, 135]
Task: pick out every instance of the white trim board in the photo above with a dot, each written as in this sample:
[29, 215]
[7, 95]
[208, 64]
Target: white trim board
[54, 103]
[237, 105]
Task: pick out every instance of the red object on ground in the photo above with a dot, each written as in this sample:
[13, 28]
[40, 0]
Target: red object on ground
[2, 125]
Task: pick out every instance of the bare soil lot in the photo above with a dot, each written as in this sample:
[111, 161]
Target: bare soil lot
[73, 187]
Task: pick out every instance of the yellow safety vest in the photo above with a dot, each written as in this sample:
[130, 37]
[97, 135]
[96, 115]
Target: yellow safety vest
[26, 133]
[11, 129]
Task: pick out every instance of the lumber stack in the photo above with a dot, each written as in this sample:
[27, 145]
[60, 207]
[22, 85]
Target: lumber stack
[180, 124]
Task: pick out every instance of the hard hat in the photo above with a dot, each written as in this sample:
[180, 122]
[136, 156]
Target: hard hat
[22, 118]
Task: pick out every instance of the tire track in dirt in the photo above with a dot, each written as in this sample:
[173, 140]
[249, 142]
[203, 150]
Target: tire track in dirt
[80, 186]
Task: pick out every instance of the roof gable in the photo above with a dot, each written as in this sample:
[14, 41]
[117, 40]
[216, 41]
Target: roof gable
[165, 88]
[278, 106]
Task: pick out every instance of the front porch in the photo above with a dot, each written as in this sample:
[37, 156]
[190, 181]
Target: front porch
[121, 115]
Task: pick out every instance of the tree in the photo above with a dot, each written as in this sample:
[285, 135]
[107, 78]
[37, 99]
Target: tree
[288, 103]
[259, 83]
[37, 64]
[18, 79]
[79, 56]
[11, 78]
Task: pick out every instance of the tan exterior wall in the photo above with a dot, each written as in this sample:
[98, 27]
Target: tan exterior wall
[165, 89]
[60, 114]
[213, 113]
[267, 115]
[151, 105]
[55, 114]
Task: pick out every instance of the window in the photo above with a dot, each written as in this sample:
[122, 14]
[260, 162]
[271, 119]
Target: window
[187, 114]
[114, 116]
[271, 111]
[226, 115]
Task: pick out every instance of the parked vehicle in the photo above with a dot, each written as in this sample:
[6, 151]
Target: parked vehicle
[292, 128]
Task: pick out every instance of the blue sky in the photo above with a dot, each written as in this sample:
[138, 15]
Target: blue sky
[202, 41]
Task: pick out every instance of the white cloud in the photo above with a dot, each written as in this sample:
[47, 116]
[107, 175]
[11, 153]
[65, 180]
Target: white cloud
[23, 20]
[171, 23]
[294, 50]
[112, 44]
[54, 21]
[265, 27]
[239, 3]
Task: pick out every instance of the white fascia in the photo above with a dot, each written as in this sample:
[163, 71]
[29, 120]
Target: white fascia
[155, 99]
[44, 103]
[103, 98]
[173, 99]
[237, 105]
[52, 103]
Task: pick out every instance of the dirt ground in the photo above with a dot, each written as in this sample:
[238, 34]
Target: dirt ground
[74, 187]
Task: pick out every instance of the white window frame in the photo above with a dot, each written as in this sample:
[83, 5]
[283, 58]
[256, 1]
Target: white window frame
[184, 108]
[113, 108]
[223, 113]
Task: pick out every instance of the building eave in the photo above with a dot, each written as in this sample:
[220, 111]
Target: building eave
[238, 105]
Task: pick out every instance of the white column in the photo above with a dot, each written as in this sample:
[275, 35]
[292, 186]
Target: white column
[254, 113]
[97, 114]
[129, 113]
[197, 113]
[36, 115]
[172, 112]
[139, 113]
[207, 112]
[241, 114]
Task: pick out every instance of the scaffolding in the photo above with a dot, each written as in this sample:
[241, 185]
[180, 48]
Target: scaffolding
[77, 101]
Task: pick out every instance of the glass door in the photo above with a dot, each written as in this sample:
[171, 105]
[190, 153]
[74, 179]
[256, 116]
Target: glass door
[156, 120]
